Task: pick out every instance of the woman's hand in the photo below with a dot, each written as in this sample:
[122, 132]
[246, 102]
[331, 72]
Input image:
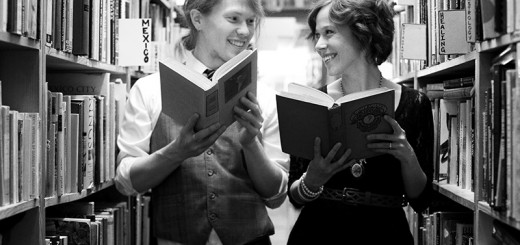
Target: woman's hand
[321, 169]
[395, 144]
[250, 120]
[190, 144]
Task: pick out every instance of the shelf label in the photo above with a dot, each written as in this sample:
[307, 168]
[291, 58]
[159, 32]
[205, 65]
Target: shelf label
[135, 36]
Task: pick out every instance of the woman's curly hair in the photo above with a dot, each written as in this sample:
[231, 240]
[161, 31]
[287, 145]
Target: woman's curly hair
[371, 23]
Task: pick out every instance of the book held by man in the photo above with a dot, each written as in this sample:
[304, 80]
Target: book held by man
[185, 92]
[305, 113]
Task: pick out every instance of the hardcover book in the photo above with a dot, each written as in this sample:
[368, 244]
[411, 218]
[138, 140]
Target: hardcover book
[305, 113]
[185, 92]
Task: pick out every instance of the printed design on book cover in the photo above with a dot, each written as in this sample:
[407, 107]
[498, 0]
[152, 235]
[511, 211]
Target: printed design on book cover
[368, 117]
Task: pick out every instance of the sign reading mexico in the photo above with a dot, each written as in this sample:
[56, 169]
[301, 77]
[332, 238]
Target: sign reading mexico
[135, 36]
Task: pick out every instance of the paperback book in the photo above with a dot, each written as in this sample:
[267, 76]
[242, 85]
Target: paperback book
[305, 113]
[185, 92]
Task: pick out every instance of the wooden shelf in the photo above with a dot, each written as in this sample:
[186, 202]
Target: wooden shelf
[16, 42]
[408, 78]
[486, 209]
[464, 63]
[70, 197]
[457, 194]
[461, 66]
[13, 209]
[501, 41]
[58, 60]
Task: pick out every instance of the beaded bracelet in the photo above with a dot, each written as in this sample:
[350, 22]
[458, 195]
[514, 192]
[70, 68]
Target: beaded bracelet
[301, 195]
[305, 192]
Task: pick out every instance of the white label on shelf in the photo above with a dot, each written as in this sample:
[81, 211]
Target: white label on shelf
[135, 36]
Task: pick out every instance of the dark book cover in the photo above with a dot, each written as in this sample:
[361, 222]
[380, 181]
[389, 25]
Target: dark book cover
[348, 122]
[81, 30]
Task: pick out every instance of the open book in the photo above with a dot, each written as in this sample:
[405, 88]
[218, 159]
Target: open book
[185, 92]
[305, 113]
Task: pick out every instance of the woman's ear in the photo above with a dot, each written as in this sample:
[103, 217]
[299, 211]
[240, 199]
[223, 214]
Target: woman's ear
[196, 19]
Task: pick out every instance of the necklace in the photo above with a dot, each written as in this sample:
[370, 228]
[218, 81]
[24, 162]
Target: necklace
[359, 166]
[380, 84]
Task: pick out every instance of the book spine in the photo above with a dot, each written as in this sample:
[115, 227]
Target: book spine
[5, 154]
[81, 37]
[57, 24]
[13, 128]
[337, 129]
[459, 82]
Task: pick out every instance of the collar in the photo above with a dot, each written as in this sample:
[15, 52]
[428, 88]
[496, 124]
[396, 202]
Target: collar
[194, 63]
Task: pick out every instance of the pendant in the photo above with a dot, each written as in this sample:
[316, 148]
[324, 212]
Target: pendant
[357, 168]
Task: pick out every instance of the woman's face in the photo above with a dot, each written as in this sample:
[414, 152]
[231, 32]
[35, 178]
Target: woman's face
[336, 45]
[225, 31]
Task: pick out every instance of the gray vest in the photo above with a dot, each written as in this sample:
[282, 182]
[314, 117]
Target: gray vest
[212, 190]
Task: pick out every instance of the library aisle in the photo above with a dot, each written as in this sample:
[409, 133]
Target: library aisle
[283, 219]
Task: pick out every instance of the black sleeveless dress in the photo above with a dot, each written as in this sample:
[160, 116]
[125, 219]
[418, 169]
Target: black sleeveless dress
[325, 221]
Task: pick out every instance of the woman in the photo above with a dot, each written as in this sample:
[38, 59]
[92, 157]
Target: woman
[359, 201]
[211, 186]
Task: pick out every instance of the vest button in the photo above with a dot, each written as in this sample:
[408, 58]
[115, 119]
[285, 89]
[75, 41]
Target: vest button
[212, 216]
[209, 152]
[212, 196]
[211, 172]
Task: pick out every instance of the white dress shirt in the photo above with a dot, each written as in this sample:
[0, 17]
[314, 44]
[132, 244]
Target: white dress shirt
[142, 112]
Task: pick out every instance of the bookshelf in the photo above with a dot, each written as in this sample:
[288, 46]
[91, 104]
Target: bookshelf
[481, 197]
[27, 57]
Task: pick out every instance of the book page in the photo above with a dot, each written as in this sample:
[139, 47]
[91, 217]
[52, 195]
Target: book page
[224, 68]
[308, 94]
[171, 66]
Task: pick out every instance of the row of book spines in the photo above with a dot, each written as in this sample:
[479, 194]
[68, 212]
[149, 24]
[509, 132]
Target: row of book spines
[82, 134]
[501, 134]
[455, 144]
[106, 225]
[452, 89]
[499, 19]
[84, 27]
[90, 27]
[446, 228]
[20, 17]
[19, 155]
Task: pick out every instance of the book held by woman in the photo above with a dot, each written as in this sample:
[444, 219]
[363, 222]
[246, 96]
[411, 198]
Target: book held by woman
[305, 113]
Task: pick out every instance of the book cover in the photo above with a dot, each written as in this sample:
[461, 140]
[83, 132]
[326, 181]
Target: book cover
[452, 32]
[185, 92]
[305, 113]
[447, 110]
[487, 11]
[81, 22]
[79, 230]
[5, 153]
[34, 153]
[413, 41]
[459, 82]
[3, 16]
[74, 151]
[13, 131]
